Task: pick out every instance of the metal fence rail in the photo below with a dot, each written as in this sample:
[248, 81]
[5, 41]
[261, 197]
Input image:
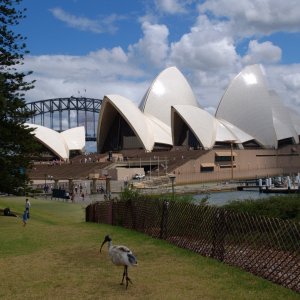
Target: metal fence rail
[266, 247]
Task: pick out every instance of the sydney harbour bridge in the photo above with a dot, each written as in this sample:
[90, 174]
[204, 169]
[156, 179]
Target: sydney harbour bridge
[64, 113]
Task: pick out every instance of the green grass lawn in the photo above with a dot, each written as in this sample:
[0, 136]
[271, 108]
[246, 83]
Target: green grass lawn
[56, 256]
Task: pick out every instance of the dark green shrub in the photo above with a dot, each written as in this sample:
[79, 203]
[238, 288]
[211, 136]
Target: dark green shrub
[129, 194]
[283, 207]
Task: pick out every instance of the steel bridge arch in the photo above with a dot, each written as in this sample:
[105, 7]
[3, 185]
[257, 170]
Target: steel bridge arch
[50, 106]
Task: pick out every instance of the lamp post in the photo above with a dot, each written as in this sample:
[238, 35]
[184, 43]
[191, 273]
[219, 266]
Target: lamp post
[231, 149]
[231, 155]
[166, 166]
[71, 188]
[46, 188]
[107, 181]
[45, 183]
[172, 178]
[150, 168]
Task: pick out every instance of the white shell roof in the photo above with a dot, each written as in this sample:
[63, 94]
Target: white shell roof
[223, 134]
[133, 116]
[207, 128]
[57, 142]
[169, 88]
[200, 122]
[249, 105]
[240, 135]
[161, 132]
[296, 120]
[75, 138]
[283, 124]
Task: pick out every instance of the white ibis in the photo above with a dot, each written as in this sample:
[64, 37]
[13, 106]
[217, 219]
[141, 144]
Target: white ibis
[120, 256]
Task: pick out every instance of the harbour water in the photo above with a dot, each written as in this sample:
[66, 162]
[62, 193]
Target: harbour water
[221, 198]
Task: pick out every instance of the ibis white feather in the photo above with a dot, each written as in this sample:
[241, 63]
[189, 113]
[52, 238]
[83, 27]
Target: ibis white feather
[120, 256]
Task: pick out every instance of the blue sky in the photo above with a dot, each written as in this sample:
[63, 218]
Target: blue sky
[98, 47]
[56, 26]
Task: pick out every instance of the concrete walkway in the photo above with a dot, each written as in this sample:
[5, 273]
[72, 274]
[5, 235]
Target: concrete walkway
[117, 187]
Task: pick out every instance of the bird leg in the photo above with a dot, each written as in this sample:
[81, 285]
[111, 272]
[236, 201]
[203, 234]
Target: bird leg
[125, 275]
[127, 278]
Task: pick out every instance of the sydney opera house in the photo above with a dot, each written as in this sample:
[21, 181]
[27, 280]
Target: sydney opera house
[249, 114]
[252, 133]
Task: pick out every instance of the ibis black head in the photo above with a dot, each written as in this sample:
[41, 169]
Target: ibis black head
[107, 238]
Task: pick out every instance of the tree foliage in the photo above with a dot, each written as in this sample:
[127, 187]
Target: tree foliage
[17, 144]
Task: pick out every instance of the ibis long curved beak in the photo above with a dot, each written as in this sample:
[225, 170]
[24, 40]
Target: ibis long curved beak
[102, 245]
[106, 239]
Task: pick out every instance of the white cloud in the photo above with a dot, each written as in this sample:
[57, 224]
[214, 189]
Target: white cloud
[113, 56]
[209, 87]
[262, 52]
[285, 79]
[99, 73]
[171, 6]
[208, 46]
[85, 24]
[152, 48]
[256, 17]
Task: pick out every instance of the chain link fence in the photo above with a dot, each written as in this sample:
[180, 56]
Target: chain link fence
[266, 247]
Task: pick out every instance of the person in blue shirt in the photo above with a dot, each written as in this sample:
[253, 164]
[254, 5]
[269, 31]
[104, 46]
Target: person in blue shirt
[25, 218]
[27, 207]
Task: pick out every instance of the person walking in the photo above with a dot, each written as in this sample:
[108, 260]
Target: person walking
[27, 207]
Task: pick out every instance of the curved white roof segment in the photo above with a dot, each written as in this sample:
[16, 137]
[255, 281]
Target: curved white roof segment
[223, 134]
[249, 105]
[75, 138]
[169, 88]
[200, 122]
[296, 120]
[283, 124]
[240, 135]
[59, 143]
[161, 132]
[130, 113]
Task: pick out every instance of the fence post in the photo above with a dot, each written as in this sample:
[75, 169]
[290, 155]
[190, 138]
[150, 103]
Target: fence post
[164, 220]
[110, 212]
[132, 212]
[219, 233]
[87, 213]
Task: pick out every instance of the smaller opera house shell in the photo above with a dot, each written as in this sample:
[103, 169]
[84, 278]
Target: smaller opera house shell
[59, 145]
[249, 115]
